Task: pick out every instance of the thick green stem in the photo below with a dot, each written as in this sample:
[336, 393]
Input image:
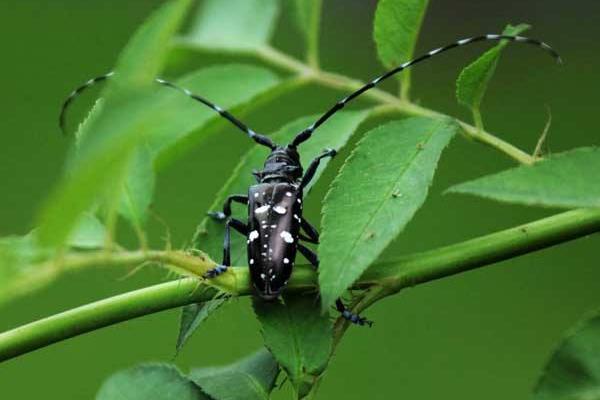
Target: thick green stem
[383, 279]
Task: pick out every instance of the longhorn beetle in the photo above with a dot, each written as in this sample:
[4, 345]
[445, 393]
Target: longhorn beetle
[275, 224]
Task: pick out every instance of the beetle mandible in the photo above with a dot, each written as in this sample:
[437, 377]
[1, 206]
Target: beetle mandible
[275, 224]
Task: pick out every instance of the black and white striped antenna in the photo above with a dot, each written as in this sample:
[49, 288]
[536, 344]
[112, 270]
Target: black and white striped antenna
[260, 139]
[307, 133]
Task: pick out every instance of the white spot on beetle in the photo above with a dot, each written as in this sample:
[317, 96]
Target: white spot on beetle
[279, 210]
[262, 209]
[270, 270]
[287, 237]
[273, 226]
[299, 201]
[255, 195]
[251, 261]
[265, 246]
[286, 260]
[253, 235]
[263, 276]
[273, 277]
[288, 194]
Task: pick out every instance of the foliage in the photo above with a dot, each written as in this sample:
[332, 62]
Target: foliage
[396, 30]
[250, 378]
[234, 24]
[565, 180]
[573, 371]
[384, 197]
[135, 129]
[152, 381]
[472, 82]
[299, 336]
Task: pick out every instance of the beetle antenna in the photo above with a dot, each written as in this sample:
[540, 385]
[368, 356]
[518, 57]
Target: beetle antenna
[306, 133]
[74, 94]
[260, 139]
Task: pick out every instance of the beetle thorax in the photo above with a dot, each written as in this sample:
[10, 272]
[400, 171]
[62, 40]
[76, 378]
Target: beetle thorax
[282, 165]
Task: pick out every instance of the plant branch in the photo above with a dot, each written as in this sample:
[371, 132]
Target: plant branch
[383, 279]
[274, 57]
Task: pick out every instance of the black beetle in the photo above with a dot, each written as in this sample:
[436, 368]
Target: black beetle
[275, 223]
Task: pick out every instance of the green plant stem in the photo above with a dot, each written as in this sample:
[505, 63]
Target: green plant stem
[382, 279]
[390, 277]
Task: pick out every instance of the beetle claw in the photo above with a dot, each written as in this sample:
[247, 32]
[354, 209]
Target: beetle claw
[217, 215]
[216, 271]
[350, 316]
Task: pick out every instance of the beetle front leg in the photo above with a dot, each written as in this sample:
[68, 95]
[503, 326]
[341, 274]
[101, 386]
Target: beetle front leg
[219, 269]
[311, 232]
[312, 168]
[223, 215]
[310, 255]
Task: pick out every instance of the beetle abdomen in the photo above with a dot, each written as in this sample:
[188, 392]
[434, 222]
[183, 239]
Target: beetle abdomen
[274, 215]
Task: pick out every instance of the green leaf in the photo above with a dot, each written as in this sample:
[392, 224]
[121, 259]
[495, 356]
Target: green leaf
[251, 378]
[573, 371]
[474, 78]
[307, 15]
[143, 57]
[138, 188]
[89, 233]
[99, 166]
[234, 24]
[377, 192]
[151, 381]
[565, 180]
[18, 256]
[299, 336]
[192, 316]
[334, 134]
[396, 31]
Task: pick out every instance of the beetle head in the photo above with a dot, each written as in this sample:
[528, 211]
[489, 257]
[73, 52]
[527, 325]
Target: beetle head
[282, 163]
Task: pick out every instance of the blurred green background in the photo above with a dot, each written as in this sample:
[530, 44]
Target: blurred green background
[483, 334]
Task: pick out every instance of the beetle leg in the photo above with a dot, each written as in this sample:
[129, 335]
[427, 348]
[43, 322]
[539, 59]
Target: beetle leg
[311, 232]
[350, 316]
[219, 269]
[222, 215]
[312, 168]
[310, 255]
